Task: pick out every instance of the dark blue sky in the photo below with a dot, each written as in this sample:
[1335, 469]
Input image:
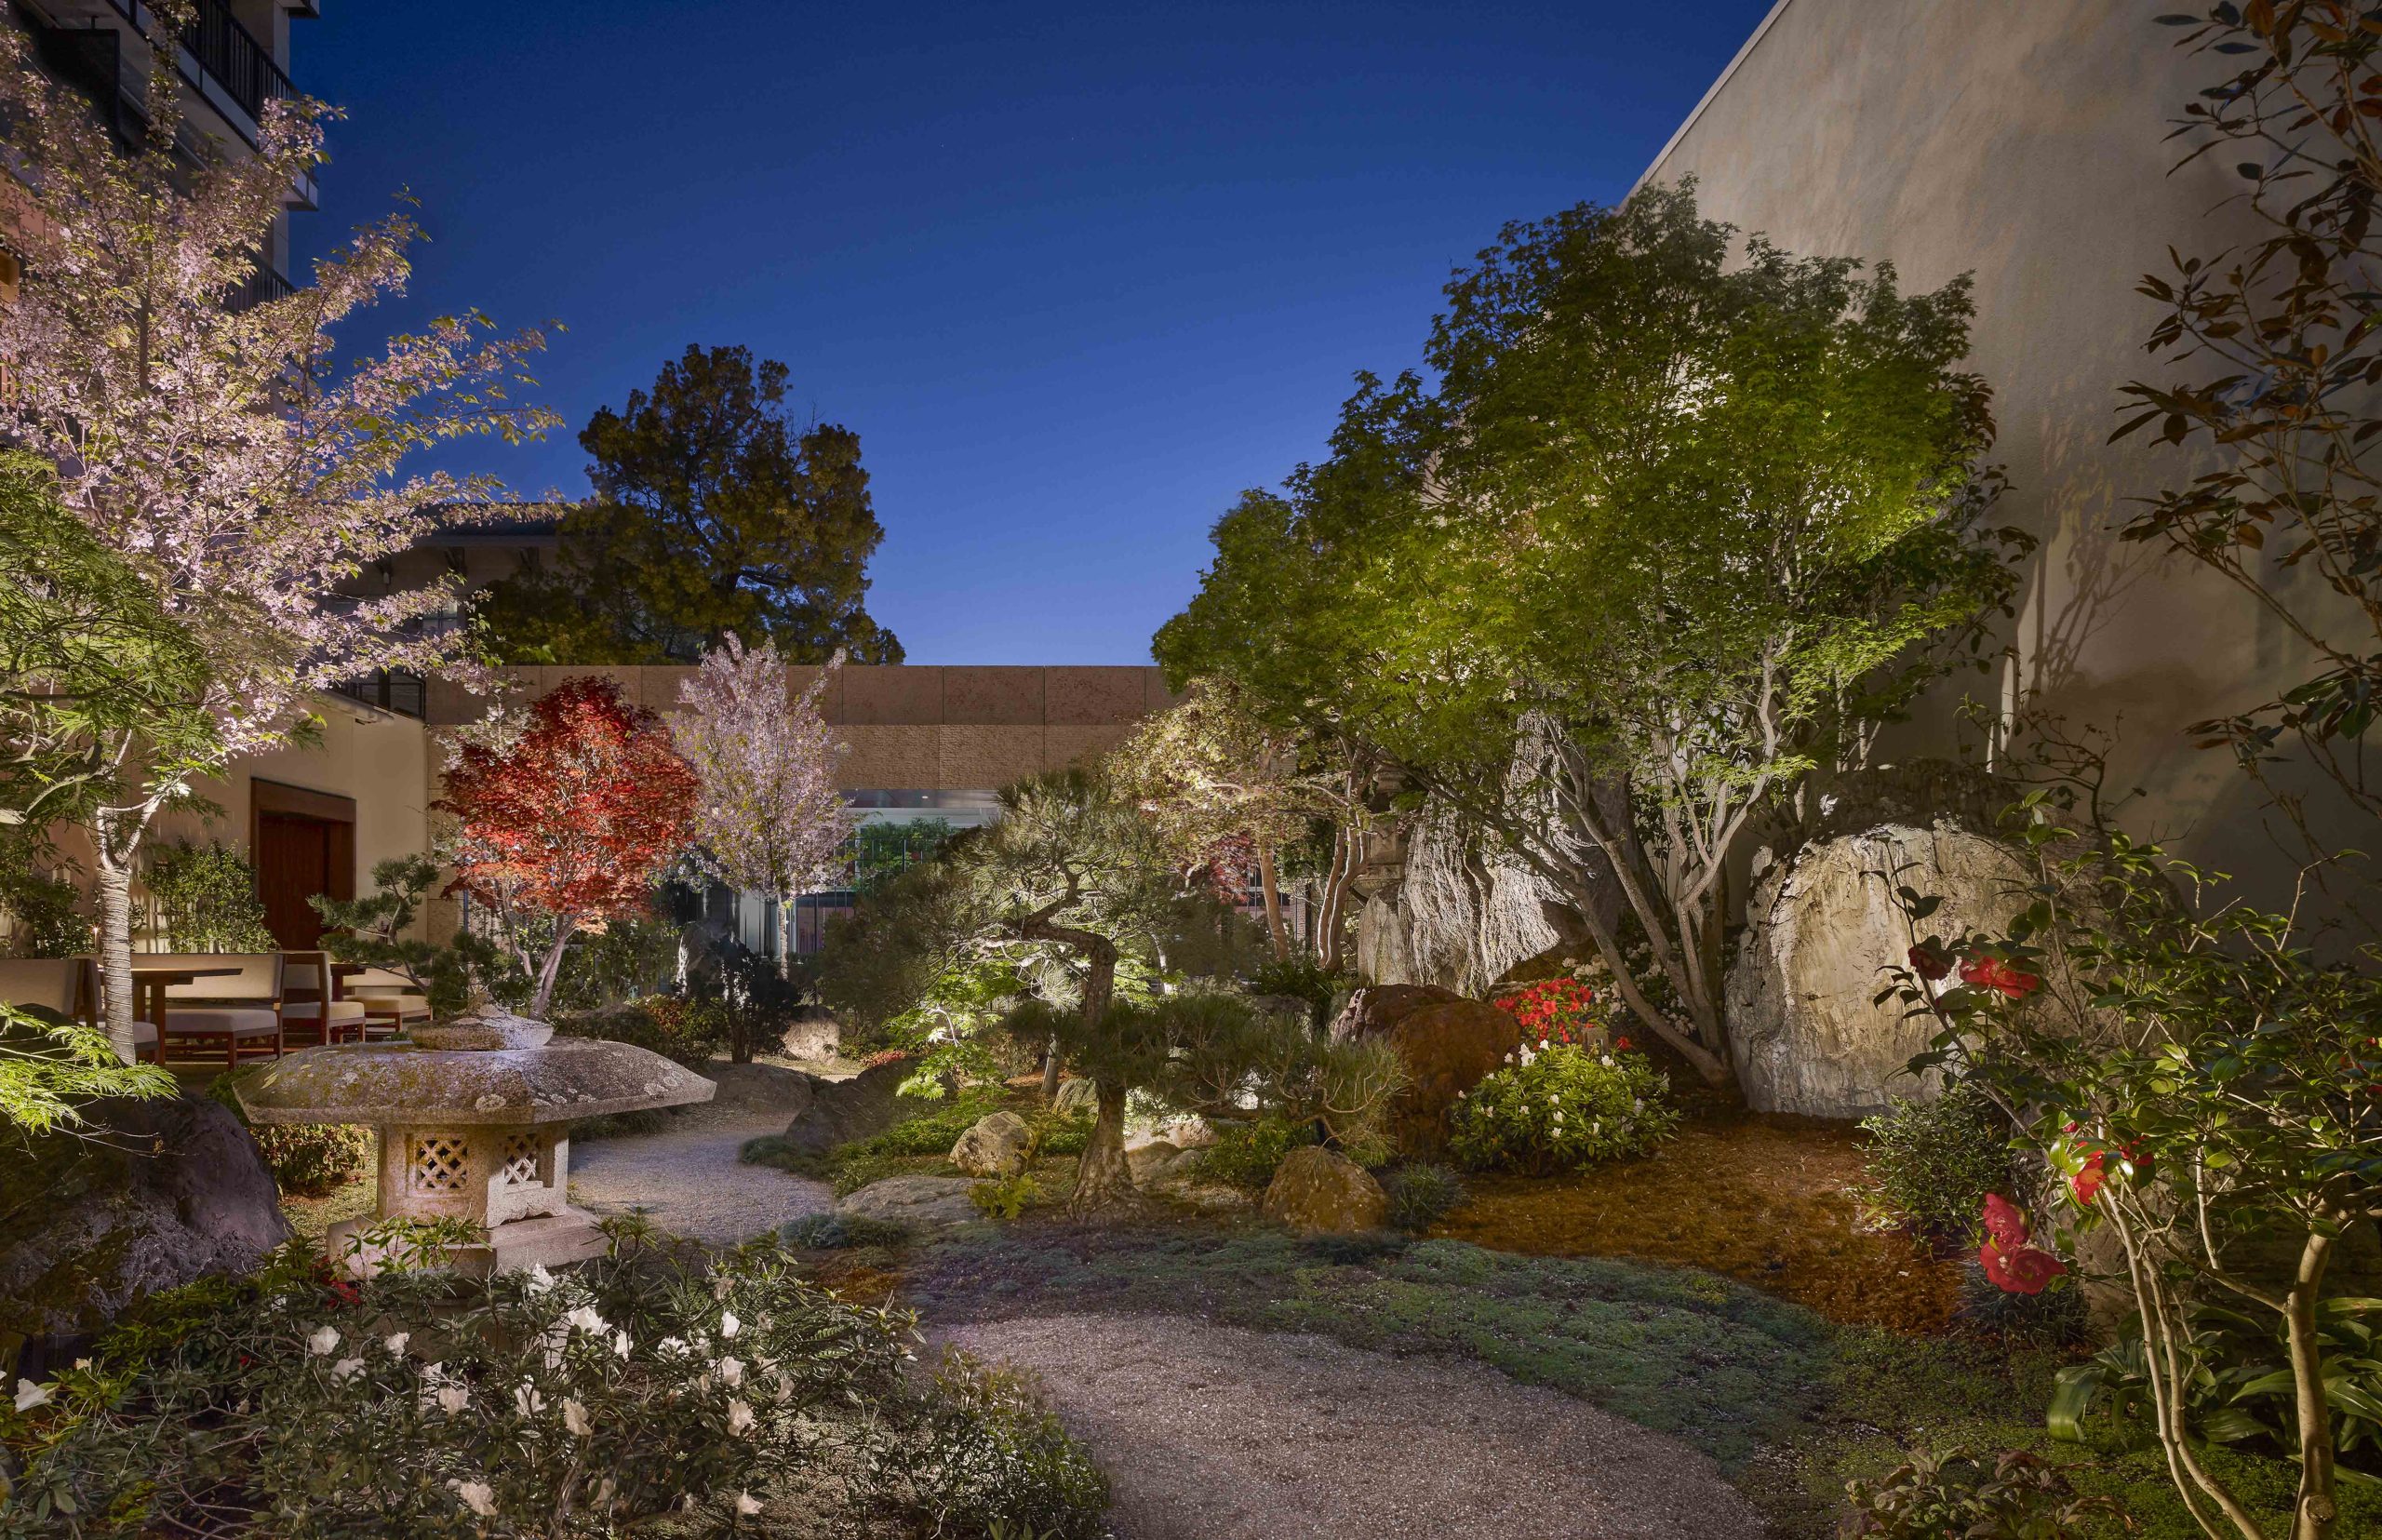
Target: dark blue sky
[1077, 276]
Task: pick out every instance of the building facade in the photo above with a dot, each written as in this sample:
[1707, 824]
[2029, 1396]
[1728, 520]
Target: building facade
[2025, 142]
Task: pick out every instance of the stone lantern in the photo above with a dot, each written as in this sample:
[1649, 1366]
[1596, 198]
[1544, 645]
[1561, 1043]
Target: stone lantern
[473, 1119]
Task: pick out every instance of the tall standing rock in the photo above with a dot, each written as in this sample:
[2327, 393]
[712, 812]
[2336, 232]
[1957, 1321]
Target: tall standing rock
[1821, 931]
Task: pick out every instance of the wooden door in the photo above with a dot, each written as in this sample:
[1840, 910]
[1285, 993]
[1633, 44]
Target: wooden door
[293, 858]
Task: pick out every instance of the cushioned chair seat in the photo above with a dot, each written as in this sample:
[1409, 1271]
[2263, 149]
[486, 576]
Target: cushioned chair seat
[144, 1036]
[343, 1013]
[220, 1020]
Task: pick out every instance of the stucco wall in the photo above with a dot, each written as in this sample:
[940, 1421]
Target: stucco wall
[2023, 140]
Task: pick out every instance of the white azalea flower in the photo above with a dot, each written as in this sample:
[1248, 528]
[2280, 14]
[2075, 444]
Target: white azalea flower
[1559, 1115]
[585, 1319]
[537, 1280]
[747, 1505]
[621, 1344]
[729, 1325]
[527, 1400]
[740, 1417]
[574, 1417]
[731, 1372]
[82, 1366]
[670, 1346]
[396, 1342]
[478, 1497]
[29, 1395]
[453, 1398]
[322, 1342]
[347, 1368]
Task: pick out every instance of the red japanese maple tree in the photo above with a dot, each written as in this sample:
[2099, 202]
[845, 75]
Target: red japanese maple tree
[566, 822]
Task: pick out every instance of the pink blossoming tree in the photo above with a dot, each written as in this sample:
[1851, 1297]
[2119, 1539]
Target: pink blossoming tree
[770, 818]
[241, 463]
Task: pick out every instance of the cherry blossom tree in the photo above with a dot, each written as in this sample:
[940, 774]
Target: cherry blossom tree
[770, 818]
[241, 463]
[567, 823]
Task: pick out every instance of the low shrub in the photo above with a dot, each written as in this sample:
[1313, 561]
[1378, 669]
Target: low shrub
[1420, 1195]
[836, 1232]
[1004, 1466]
[685, 1031]
[1245, 1155]
[428, 1404]
[2019, 1496]
[308, 1159]
[1930, 1163]
[1554, 1013]
[2056, 1317]
[1561, 1109]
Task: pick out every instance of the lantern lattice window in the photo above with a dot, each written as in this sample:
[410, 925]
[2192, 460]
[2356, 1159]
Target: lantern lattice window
[440, 1163]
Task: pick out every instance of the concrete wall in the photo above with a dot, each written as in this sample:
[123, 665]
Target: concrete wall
[2023, 140]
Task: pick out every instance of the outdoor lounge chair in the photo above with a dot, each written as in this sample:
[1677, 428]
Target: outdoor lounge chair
[390, 1000]
[312, 1006]
[240, 1008]
[68, 988]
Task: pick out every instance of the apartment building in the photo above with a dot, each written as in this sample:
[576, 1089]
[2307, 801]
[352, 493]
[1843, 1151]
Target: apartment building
[230, 61]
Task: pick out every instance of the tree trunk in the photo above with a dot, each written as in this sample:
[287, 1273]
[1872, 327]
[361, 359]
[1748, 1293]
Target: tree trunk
[1103, 1180]
[550, 970]
[115, 935]
[1270, 884]
[786, 934]
[1050, 1072]
[2317, 1508]
[1346, 849]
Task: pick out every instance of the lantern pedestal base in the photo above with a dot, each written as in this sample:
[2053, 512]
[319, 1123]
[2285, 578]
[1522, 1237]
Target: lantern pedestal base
[550, 1240]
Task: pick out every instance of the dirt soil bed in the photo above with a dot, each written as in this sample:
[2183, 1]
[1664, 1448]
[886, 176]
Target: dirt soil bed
[1767, 1200]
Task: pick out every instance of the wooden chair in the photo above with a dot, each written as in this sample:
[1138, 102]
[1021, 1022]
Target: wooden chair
[313, 1004]
[241, 1010]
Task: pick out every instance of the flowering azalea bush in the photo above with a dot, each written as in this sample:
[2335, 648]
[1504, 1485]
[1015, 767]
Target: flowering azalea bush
[1555, 1012]
[1559, 1108]
[718, 1390]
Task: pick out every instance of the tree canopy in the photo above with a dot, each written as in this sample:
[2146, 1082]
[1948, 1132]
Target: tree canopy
[712, 514]
[1670, 532]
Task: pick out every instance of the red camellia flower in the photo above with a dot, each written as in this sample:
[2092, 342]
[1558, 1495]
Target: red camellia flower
[1928, 963]
[1554, 1011]
[2089, 1177]
[1999, 976]
[2004, 1221]
[2020, 1270]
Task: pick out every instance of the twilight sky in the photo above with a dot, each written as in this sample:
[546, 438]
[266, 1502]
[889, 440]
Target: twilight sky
[1077, 275]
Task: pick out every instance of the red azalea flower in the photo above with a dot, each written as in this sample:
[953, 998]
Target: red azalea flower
[1999, 976]
[1928, 963]
[2005, 1222]
[2089, 1178]
[1623, 1044]
[2021, 1270]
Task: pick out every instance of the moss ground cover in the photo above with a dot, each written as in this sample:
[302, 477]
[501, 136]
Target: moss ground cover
[1789, 1403]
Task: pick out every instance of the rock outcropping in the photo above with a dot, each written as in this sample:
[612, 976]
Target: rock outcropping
[841, 1111]
[1447, 1043]
[1821, 929]
[994, 1145]
[174, 1191]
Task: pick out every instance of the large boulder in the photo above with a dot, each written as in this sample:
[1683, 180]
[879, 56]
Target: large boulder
[841, 1111]
[1316, 1191]
[1821, 930]
[812, 1035]
[994, 1146]
[1447, 1043]
[174, 1191]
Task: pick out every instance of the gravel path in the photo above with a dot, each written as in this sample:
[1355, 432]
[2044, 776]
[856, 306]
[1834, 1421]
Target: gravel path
[1214, 1433]
[687, 1177]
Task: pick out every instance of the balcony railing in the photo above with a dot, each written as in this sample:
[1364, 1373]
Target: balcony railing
[262, 285]
[243, 66]
[391, 690]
